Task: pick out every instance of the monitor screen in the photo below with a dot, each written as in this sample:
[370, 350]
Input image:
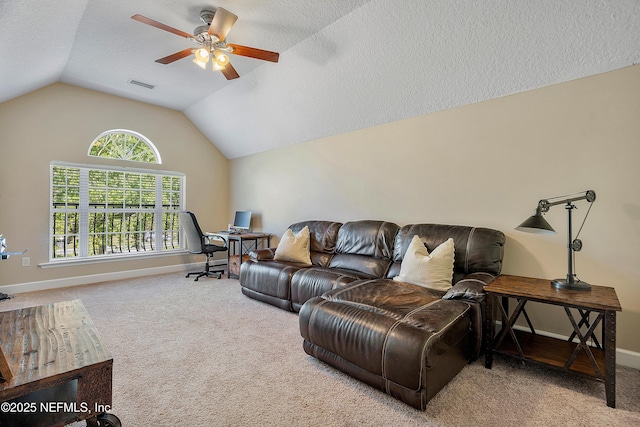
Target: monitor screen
[242, 220]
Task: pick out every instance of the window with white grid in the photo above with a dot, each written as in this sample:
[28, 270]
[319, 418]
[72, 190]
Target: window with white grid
[103, 211]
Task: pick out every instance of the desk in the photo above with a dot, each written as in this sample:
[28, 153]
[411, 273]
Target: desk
[596, 359]
[61, 370]
[236, 243]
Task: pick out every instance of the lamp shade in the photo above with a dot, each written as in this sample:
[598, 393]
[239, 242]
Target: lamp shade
[536, 224]
[221, 59]
[202, 55]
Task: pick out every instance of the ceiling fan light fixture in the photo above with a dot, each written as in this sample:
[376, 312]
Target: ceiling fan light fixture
[211, 37]
[202, 55]
[201, 64]
[221, 60]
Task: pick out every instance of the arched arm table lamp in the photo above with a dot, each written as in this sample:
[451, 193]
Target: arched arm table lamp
[537, 224]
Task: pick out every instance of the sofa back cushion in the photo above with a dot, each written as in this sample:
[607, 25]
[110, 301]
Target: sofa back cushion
[322, 239]
[477, 249]
[365, 247]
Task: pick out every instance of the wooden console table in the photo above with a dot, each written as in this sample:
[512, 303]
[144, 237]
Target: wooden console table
[596, 359]
[56, 370]
[240, 239]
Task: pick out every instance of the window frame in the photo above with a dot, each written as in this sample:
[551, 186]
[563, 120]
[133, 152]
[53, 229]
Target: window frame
[143, 139]
[84, 212]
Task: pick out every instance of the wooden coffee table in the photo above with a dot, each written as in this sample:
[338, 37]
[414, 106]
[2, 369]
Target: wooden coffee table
[56, 368]
[586, 356]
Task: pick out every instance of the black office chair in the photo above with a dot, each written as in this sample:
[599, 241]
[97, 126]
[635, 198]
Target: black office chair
[198, 243]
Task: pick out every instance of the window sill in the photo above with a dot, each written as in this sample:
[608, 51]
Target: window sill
[69, 262]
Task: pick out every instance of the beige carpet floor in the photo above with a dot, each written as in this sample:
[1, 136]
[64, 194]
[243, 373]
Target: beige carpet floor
[202, 354]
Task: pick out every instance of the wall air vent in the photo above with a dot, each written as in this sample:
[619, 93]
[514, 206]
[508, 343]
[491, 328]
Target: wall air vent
[136, 82]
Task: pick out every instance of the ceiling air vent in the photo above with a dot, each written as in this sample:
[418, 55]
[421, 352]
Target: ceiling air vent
[136, 82]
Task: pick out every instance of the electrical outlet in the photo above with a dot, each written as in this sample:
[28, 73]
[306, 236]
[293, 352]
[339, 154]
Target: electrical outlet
[26, 261]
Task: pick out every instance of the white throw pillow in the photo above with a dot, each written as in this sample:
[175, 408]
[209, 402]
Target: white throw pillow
[294, 247]
[433, 270]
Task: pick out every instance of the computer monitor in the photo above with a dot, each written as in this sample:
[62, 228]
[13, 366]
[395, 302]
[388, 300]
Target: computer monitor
[242, 221]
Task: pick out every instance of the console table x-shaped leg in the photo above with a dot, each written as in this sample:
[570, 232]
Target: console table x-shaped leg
[584, 338]
[582, 353]
[509, 321]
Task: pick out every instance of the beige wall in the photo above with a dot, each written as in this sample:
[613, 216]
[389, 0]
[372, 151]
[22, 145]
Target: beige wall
[59, 122]
[485, 164]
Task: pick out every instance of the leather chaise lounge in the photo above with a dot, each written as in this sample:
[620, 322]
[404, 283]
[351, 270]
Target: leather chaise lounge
[406, 340]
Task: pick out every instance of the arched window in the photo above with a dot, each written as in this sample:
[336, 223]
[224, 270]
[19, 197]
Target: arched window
[102, 210]
[124, 144]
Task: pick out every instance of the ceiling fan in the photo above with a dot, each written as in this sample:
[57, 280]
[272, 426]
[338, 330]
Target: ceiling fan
[212, 40]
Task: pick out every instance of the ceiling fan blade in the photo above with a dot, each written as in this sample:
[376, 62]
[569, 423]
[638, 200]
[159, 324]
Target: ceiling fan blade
[252, 52]
[160, 25]
[222, 22]
[174, 57]
[229, 72]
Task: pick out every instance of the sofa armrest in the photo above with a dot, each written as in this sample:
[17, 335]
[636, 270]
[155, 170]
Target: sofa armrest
[471, 287]
[262, 254]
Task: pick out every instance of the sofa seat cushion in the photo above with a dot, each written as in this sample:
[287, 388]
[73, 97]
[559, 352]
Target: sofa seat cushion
[269, 281]
[315, 281]
[393, 330]
[360, 264]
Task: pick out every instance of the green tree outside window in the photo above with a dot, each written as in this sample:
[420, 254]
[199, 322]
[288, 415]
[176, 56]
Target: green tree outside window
[124, 144]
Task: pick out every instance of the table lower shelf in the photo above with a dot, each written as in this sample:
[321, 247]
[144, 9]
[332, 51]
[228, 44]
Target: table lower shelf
[553, 352]
[234, 265]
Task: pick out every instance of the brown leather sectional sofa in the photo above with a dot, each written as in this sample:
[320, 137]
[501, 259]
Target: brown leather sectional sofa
[406, 340]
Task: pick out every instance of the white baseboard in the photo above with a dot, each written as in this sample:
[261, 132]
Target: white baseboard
[628, 358]
[97, 278]
[623, 357]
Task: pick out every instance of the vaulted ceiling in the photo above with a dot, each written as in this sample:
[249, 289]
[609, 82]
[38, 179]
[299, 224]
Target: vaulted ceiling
[344, 64]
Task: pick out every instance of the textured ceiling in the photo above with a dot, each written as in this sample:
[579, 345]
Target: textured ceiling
[95, 43]
[344, 64]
